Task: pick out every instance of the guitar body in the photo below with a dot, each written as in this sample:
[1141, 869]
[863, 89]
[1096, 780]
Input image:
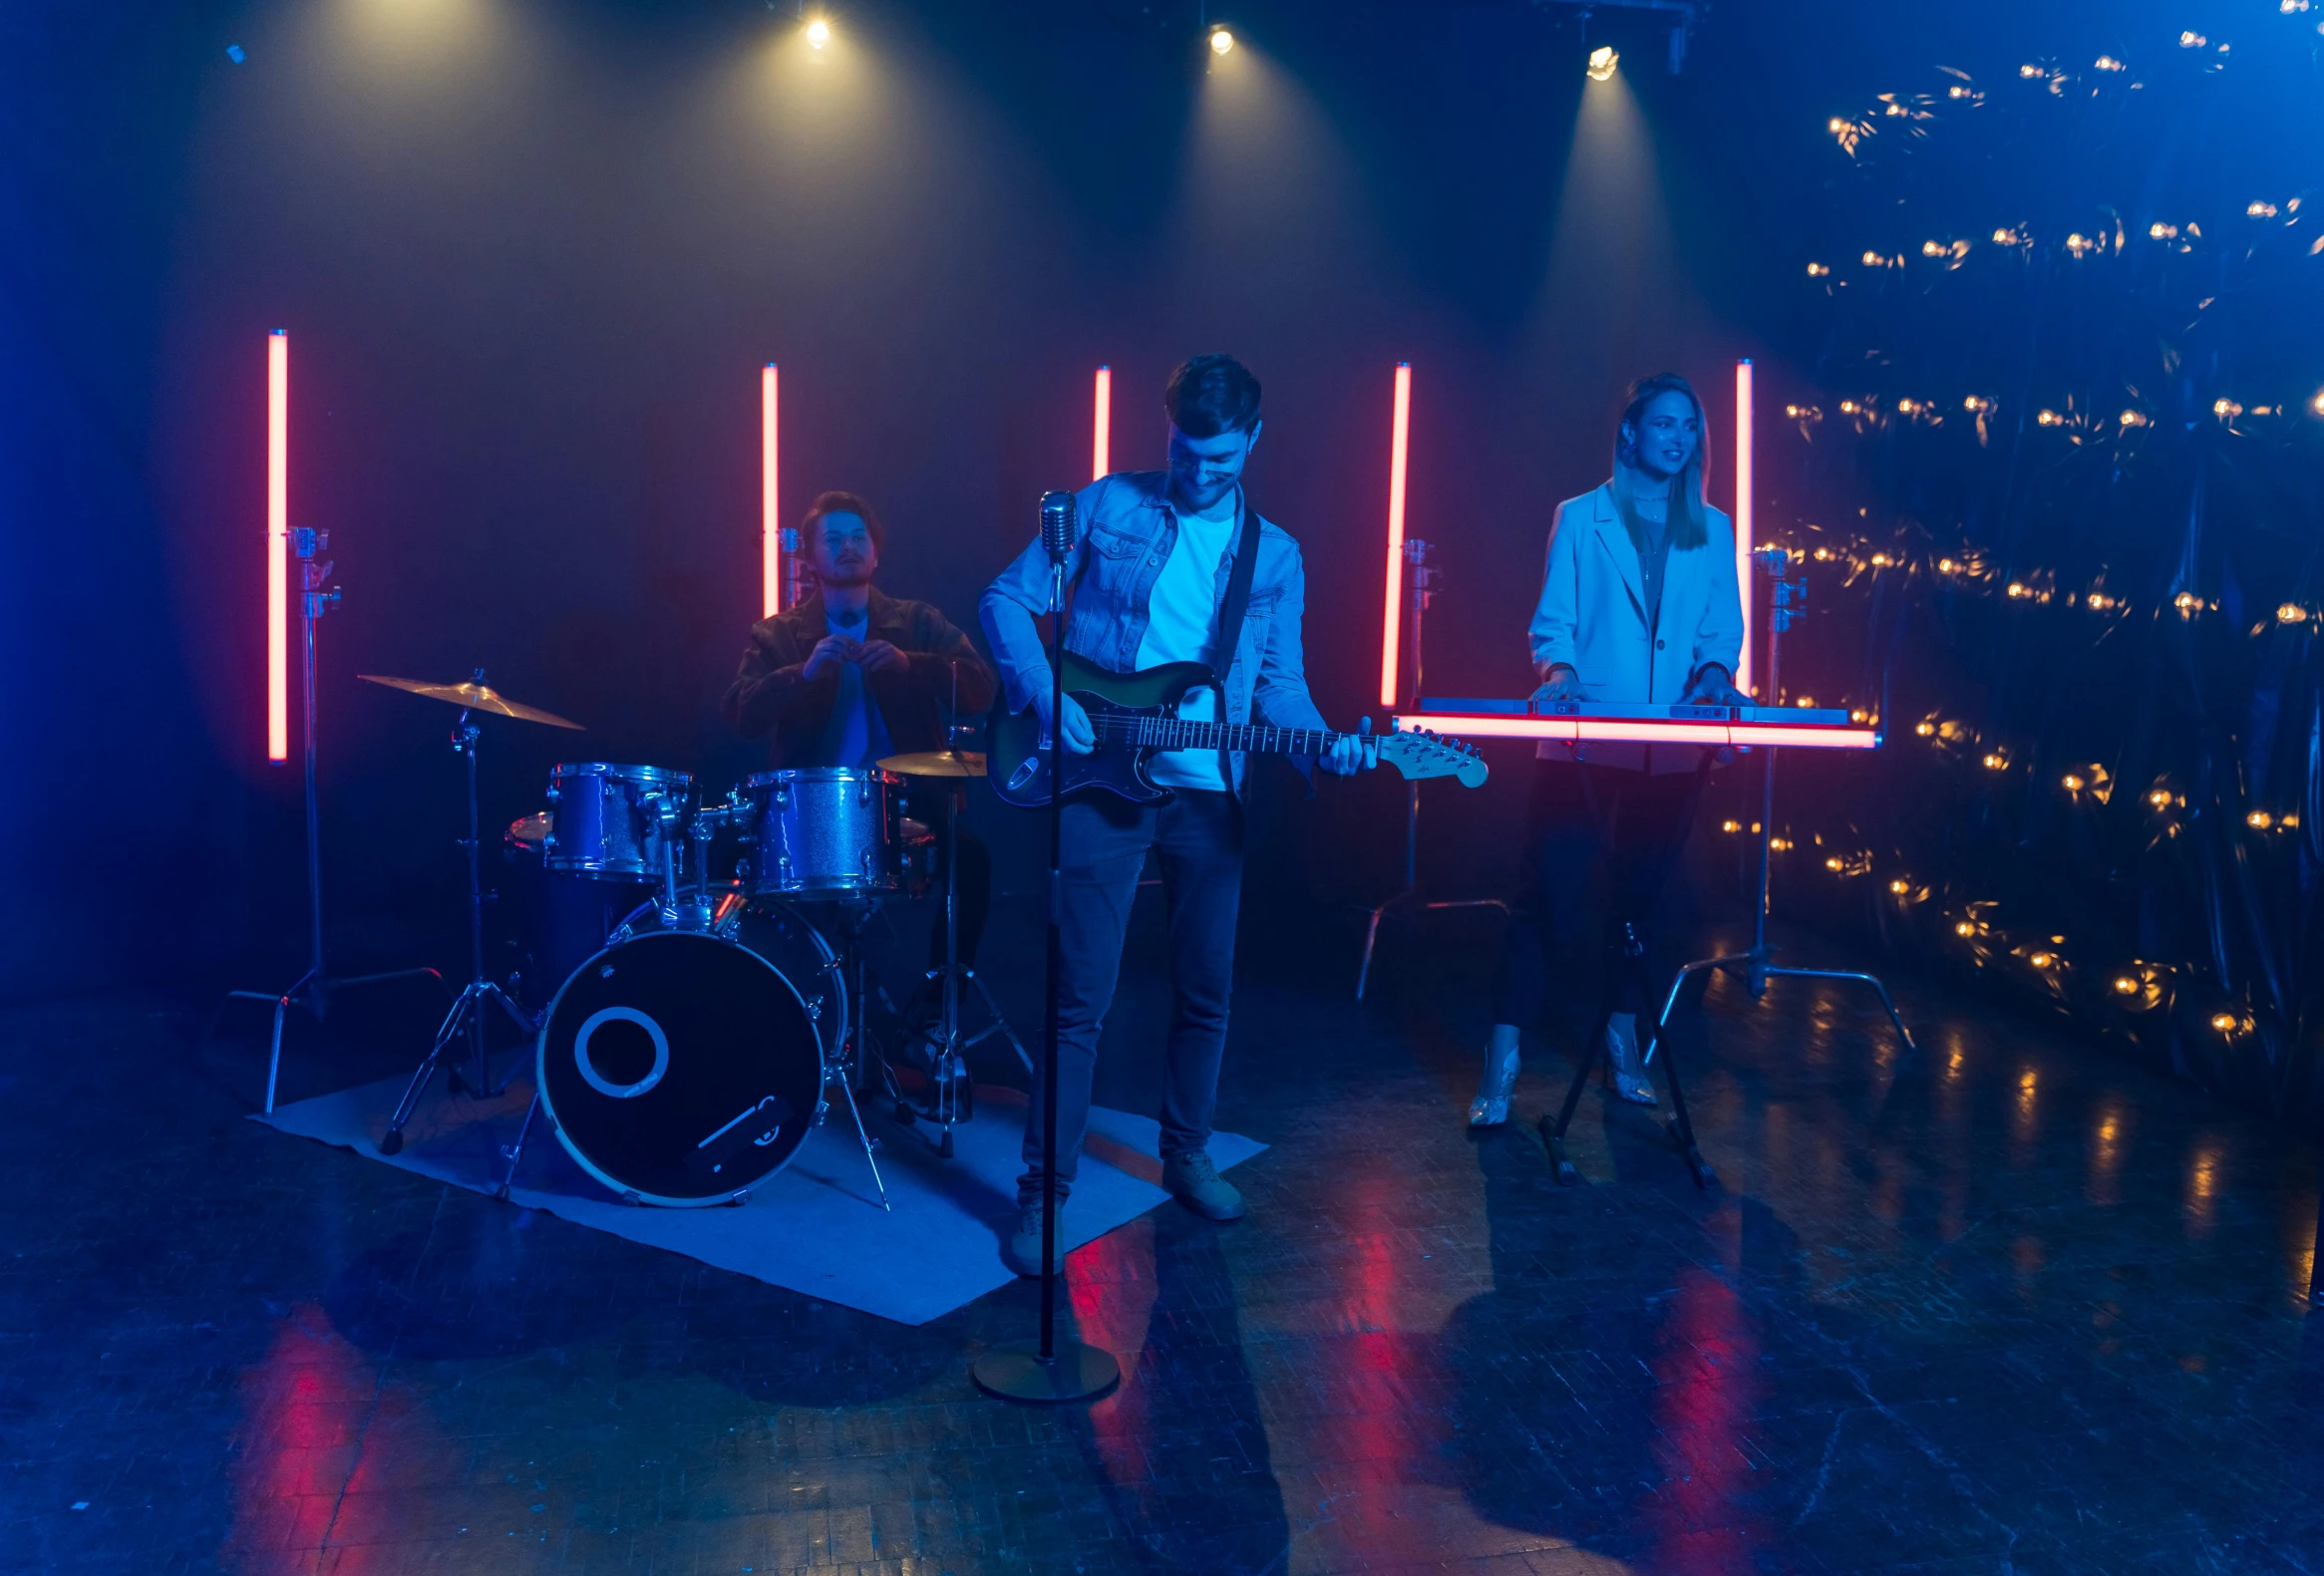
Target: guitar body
[1017, 756]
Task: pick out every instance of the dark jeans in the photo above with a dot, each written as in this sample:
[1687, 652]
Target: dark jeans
[1577, 813]
[1197, 840]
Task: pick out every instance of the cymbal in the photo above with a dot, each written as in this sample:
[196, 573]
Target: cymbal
[474, 697]
[937, 763]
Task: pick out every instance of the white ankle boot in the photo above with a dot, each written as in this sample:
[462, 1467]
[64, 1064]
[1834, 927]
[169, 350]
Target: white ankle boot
[1491, 1107]
[1629, 1070]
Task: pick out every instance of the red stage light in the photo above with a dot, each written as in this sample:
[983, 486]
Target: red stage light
[1743, 525]
[772, 557]
[278, 546]
[1102, 425]
[1608, 729]
[1392, 607]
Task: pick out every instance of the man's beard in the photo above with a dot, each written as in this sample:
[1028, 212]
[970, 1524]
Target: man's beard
[847, 575]
[1194, 496]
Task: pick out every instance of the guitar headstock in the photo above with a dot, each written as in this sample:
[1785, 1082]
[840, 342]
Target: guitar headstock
[1422, 753]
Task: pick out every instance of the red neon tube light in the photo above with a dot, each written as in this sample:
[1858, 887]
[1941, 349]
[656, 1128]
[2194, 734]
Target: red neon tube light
[771, 555]
[1608, 729]
[1742, 528]
[1392, 604]
[1102, 425]
[278, 546]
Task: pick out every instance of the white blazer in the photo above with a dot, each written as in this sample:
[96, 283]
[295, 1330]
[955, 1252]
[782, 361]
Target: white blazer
[1592, 617]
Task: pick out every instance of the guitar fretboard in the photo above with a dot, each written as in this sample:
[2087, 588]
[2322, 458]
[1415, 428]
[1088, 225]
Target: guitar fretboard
[1147, 732]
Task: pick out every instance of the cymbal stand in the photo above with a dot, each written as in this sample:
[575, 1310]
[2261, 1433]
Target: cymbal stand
[1421, 582]
[311, 990]
[954, 1095]
[1752, 965]
[468, 1012]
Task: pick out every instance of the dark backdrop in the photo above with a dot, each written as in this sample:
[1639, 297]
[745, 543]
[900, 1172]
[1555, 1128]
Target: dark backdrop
[532, 256]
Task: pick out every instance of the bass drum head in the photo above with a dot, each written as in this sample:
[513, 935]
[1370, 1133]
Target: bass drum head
[680, 1069]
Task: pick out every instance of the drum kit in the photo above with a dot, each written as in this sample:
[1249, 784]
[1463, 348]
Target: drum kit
[686, 1061]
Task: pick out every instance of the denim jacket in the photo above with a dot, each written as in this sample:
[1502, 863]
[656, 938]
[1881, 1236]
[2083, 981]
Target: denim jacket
[1127, 532]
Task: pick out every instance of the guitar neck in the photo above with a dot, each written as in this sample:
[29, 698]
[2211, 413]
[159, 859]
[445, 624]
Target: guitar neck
[1142, 730]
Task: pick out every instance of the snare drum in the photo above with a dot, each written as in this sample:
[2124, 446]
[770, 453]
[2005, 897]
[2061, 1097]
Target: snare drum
[607, 819]
[825, 831]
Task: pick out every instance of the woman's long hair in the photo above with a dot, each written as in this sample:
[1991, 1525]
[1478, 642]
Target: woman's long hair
[1687, 521]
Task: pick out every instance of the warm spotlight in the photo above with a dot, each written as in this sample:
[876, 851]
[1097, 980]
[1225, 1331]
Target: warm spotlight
[818, 33]
[1222, 40]
[1602, 62]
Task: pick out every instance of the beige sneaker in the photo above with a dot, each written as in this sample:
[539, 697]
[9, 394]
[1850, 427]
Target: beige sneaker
[1194, 1181]
[1022, 1251]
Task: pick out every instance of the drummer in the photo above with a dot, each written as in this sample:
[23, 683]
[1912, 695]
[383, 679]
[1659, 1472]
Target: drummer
[851, 675]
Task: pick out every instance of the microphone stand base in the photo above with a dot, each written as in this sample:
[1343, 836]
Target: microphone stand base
[1015, 1371]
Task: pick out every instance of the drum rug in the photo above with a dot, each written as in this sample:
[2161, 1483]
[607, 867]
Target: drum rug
[816, 1226]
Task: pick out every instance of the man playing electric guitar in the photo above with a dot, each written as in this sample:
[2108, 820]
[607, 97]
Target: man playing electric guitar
[1153, 566]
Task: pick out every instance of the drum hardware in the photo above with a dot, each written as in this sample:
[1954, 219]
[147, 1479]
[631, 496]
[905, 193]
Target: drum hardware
[953, 1094]
[469, 1011]
[313, 988]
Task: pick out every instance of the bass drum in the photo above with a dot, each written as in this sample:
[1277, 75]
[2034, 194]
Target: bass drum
[680, 1069]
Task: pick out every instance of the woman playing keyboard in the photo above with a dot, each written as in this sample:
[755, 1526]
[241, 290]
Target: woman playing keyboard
[1639, 605]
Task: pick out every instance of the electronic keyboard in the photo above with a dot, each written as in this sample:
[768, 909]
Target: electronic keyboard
[1595, 722]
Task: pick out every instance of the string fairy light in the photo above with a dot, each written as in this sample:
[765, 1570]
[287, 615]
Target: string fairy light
[2031, 590]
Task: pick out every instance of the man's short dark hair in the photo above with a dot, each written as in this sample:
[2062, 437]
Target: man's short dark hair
[841, 503]
[1211, 395]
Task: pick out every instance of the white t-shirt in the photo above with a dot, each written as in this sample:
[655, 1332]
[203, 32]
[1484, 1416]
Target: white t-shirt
[1181, 624]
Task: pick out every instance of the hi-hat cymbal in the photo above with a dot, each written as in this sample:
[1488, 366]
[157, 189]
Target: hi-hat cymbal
[474, 697]
[937, 763]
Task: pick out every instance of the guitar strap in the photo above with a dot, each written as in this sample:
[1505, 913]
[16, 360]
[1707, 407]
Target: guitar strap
[1230, 613]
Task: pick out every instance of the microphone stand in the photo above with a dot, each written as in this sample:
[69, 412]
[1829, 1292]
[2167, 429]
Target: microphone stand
[1044, 1371]
[312, 988]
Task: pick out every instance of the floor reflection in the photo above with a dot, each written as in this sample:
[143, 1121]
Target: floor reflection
[299, 1446]
[1180, 1447]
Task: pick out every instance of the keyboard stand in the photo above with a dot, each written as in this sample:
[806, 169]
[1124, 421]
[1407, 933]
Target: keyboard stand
[1421, 587]
[1752, 965]
[1410, 896]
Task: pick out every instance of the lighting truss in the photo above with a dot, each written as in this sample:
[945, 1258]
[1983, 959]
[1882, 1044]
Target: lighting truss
[1680, 16]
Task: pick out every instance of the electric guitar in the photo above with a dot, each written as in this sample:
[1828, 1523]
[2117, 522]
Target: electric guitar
[1137, 714]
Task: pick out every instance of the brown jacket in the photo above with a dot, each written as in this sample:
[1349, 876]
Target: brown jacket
[771, 693]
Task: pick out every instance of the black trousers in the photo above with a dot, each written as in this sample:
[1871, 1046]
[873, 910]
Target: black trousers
[1577, 815]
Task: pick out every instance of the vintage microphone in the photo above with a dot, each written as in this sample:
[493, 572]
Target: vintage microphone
[1042, 1370]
